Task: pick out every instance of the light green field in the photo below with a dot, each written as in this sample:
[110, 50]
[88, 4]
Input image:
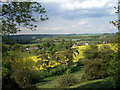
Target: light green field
[35, 44]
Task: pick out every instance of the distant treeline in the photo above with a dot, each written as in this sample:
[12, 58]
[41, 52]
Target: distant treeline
[30, 39]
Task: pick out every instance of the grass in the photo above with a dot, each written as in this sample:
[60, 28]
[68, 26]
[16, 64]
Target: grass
[86, 83]
[51, 82]
[34, 44]
[93, 84]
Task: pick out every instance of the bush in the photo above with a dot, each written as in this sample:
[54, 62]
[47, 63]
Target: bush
[35, 77]
[21, 70]
[95, 69]
[91, 52]
[58, 70]
[44, 74]
[97, 63]
[67, 80]
[75, 68]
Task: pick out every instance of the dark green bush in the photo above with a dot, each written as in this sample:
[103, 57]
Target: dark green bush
[97, 61]
[35, 77]
[58, 70]
[44, 73]
[80, 62]
[67, 80]
[75, 68]
[91, 52]
[95, 69]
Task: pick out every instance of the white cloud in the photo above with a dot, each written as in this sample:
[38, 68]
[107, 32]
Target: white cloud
[76, 4]
[111, 4]
[112, 27]
[56, 28]
[82, 22]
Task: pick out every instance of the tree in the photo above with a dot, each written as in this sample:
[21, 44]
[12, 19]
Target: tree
[98, 61]
[116, 64]
[66, 56]
[14, 16]
[51, 50]
[91, 52]
[39, 63]
[68, 44]
[20, 14]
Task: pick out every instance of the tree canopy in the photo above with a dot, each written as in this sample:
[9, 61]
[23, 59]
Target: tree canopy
[21, 14]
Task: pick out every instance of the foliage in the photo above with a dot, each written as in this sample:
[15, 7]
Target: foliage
[115, 66]
[58, 70]
[95, 69]
[98, 63]
[16, 68]
[21, 70]
[17, 14]
[66, 80]
[51, 50]
[39, 63]
[91, 52]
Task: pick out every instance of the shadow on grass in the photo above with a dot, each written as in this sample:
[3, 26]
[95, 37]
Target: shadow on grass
[99, 84]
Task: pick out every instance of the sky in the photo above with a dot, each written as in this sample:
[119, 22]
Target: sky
[76, 17]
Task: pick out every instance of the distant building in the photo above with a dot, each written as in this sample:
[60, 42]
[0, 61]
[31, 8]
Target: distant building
[104, 42]
[86, 43]
[30, 49]
[76, 45]
[33, 37]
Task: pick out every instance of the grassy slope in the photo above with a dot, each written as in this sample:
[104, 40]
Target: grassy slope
[99, 83]
[51, 82]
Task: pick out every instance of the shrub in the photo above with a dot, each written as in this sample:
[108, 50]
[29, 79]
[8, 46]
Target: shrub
[21, 70]
[58, 70]
[44, 74]
[67, 80]
[36, 77]
[106, 53]
[80, 62]
[97, 63]
[95, 69]
[75, 68]
[91, 52]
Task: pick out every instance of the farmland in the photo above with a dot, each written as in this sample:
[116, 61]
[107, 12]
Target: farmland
[77, 57]
[51, 60]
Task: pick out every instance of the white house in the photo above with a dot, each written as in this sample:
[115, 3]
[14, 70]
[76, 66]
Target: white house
[86, 43]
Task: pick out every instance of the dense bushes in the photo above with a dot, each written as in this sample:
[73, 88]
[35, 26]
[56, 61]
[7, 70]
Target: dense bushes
[21, 70]
[95, 69]
[91, 52]
[66, 80]
[97, 61]
[38, 76]
[58, 70]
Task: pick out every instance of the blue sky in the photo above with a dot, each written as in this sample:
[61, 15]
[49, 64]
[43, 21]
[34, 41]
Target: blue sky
[76, 17]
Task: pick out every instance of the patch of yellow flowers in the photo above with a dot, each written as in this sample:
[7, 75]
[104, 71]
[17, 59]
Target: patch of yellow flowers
[114, 47]
[52, 63]
[77, 56]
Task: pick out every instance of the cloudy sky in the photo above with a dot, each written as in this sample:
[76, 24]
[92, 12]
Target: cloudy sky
[77, 17]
